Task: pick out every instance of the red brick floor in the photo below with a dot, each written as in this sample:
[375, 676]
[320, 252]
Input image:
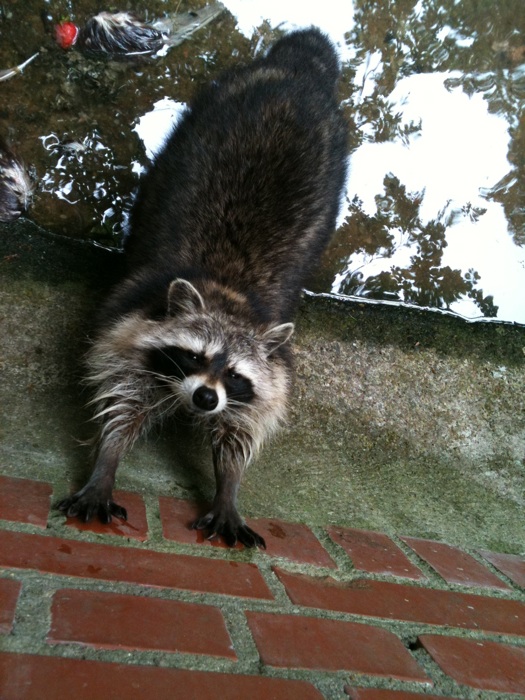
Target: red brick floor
[150, 608]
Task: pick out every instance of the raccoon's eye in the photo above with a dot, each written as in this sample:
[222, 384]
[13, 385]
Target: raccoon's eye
[192, 356]
[193, 359]
[172, 361]
[232, 374]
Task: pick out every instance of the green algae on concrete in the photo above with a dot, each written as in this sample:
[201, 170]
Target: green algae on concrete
[401, 420]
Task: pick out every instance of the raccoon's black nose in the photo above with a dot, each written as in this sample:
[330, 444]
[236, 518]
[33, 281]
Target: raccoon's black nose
[206, 399]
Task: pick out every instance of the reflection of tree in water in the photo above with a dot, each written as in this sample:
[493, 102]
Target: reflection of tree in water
[425, 281]
[484, 42]
[482, 39]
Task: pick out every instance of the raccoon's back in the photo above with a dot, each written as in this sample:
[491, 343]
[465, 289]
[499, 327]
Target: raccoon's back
[247, 188]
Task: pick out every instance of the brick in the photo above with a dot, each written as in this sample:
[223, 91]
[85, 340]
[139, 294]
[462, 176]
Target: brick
[374, 552]
[407, 603]
[511, 565]
[292, 641]
[378, 694]
[24, 500]
[114, 621]
[292, 541]
[479, 664]
[24, 677]
[9, 592]
[454, 565]
[135, 527]
[55, 555]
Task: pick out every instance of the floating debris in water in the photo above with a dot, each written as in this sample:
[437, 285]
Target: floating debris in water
[512, 54]
[16, 187]
[16, 70]
[123, 34]
[66, 34]
[120, 34]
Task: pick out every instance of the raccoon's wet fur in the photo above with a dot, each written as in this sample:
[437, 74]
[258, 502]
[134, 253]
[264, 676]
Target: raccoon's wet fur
[16, 188]
[226, 228]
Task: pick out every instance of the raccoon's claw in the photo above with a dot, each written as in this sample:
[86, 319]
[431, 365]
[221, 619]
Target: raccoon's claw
[114, 510]
[230, 531]
[250, 538]
[84, 508]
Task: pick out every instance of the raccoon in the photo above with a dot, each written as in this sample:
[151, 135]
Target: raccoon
[227, 225]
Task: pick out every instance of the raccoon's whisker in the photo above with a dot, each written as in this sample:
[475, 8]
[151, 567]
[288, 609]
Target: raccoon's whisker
[176, 401]
[242, 404]
[119, 408]
[170, 359]
[115, 393]
[128, 388]
[158, 375]
[240, 407]
[167, 409]
[115, 385]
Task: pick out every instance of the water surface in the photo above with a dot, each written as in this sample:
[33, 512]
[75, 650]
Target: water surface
[434, 213]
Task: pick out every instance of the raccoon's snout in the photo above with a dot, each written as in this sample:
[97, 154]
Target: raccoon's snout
[205, 398]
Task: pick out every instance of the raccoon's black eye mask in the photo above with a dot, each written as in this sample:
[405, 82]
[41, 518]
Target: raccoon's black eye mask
[172, 361]
[237, 387]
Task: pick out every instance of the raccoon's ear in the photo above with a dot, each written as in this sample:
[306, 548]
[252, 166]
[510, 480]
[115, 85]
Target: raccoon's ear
[276, 336]
[183, 298]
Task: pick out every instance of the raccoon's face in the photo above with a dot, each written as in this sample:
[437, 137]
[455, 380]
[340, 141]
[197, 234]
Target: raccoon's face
[205, 381]
[210, 361]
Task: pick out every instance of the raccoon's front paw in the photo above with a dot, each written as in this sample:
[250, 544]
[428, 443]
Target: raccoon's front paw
[232, 529]
[86, 504]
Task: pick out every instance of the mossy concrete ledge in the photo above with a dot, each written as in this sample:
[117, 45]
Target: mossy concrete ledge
[401, 420]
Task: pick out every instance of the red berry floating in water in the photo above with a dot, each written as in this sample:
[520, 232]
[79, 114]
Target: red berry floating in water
[66, 34]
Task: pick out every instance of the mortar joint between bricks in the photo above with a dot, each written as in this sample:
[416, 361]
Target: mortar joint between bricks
[433, 581]
[346, 577]
[275, 585]
[293, 567]
[140, 657]
[494, 570]
[58, 582]
[476, 635]
[28, 528]
[241, 637]
[436, 581]
[337, 553]
[444, 682]
[330, 688]
[482, 591]
[32, 615]
[153, 519]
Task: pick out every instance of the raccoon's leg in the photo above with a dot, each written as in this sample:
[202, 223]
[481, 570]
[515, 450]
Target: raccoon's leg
[95, 499]
[230, 452]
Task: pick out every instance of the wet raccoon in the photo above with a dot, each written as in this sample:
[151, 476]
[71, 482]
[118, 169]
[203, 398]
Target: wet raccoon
[227, 225]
